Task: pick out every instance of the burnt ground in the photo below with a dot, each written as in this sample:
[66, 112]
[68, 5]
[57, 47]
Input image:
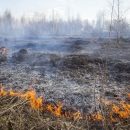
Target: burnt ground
[72, 70]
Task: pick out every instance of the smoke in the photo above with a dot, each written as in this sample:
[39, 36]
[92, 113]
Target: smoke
[41, 27]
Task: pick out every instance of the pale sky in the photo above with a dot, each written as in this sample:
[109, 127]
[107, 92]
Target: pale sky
[87, 9]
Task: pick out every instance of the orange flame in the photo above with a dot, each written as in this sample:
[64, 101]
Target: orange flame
[77, 115]
[36, 103]
[56, 110]
[117, 111]
[3, 92]
[96, 116]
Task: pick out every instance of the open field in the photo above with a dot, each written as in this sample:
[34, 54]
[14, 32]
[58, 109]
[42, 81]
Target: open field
[77, 72]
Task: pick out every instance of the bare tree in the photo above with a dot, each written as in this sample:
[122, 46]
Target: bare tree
[118, 21]
[112, 10]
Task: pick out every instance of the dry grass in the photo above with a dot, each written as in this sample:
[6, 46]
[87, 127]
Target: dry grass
[16, 114]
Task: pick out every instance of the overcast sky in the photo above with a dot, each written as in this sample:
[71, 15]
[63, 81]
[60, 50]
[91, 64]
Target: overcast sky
[87, 9]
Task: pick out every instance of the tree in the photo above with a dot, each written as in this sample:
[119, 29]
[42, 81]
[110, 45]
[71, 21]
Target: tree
[112, 9]
[99, 28]
[118, 22]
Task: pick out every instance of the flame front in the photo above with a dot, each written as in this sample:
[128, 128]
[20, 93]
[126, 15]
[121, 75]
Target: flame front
[56, 110]
[122, 111]
[117, 111]
[35, 102]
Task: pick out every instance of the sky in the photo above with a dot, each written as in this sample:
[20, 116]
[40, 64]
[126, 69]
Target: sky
[86, 9]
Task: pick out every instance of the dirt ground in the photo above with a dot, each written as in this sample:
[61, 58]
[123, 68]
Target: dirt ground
[75, 71]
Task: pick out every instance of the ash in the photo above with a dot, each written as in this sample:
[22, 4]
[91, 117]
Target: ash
[75, 71]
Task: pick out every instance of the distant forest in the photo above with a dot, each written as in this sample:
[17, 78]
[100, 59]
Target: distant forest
[40, 26]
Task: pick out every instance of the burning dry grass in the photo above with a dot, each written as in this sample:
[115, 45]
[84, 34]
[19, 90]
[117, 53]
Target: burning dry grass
[27, 111]
[19, 116]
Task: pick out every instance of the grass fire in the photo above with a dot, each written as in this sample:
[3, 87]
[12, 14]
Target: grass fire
[28, 103]
[64, 65]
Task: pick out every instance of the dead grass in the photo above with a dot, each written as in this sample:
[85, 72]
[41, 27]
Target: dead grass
[16, 114]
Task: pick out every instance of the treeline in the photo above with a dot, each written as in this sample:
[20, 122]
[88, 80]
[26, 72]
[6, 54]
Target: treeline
[40, 26]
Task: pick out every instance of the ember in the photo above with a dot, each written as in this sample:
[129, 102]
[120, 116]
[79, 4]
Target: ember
[56, 110]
